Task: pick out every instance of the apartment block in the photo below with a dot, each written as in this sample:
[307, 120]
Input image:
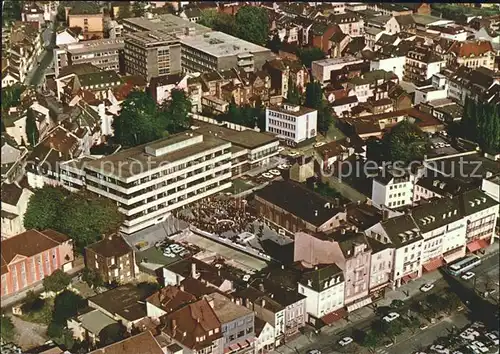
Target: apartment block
[152, 53]
[150, 181]
[102, 53]
[220, 51]
[322, 69]
[168, 22]
[292, 123]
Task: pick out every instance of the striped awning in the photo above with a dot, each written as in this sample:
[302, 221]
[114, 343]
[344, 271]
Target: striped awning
[359, 304]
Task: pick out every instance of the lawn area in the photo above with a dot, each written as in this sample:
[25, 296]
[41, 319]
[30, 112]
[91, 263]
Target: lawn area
[453, 12]
[334, 133]
[42, 314]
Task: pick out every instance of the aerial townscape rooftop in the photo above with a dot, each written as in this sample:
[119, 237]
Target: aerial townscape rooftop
[250, 177]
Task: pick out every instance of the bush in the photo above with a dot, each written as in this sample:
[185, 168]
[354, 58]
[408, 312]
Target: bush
[56, 282]
[41, 313]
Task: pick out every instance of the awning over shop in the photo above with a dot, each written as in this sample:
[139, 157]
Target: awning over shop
[334, 316]
[434, 264]
[454, 256]
[477, 245]
[409, 277]
[359, 304]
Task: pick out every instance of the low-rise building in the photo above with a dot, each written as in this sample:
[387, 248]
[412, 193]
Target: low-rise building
[401, 233]
[293, 207]
[473, 54]
[29, 257]
[421, 64]
[292, 123]
[14, 204]
[141, 343]
[381, 265]
[102, 53]
[237, 323]
[392, 189]
[91, 24]
[195, 328]
[321, 69]
[323, 287]
[112, 258]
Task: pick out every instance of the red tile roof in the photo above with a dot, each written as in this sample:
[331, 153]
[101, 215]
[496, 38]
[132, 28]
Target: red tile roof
[143, 343]
[469, 48]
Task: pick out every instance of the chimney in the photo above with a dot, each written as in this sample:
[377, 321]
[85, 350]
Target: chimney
[181, 287]
[174, 325]
[193, 270]
[261, 287]
[385, 215]
[315, 213]
[342, 231]
[282, 266]
[263, 302]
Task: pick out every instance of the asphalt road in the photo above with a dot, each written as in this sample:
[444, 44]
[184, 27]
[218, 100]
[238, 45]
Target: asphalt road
[327, 344]
[45, 59]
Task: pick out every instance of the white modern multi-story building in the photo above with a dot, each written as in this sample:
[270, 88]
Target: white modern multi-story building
[392, 190]
[292, 123]
[324, 289]
[149, 181]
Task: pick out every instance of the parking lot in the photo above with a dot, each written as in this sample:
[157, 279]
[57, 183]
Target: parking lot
[441, 145]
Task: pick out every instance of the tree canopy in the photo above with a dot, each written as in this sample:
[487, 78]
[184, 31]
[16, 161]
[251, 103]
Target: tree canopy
[245, 115]
[11, 96]
[92, 278]
[405, 142]
[7, 330]
[31, 128]
[481, 123]
[141, 120]
[293, 94]
[66, 305]
[218, 21]
[252, 24]
[44, 207]
[57, 281]
[308, 55]
[274, 43]
[314, 100]
[82, 216]
[139, 8]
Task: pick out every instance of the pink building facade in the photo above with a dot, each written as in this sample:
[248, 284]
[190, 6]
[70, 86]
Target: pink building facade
[31, 256]
[349, 251]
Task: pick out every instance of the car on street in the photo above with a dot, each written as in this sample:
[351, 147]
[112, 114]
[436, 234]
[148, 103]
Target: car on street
[424, 326]
[319, 143]
[275, 172]
[345, 341]
[439, 349]
[267, 175]
[426, 287]
[314, 351]
[293, 153]
[480, 346]
[468, 275]
[391, 317]
[284, 166]
[388, 343]
[492, 337]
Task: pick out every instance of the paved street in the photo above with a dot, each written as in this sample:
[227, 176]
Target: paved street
[361, 319]
[35, 76]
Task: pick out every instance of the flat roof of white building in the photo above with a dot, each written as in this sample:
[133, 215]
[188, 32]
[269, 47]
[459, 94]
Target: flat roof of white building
[95, 45]
[219, 44]
[335, 61]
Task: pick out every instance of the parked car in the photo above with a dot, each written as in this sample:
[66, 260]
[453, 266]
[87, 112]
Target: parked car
[388, 343]
[468, 275]
[426, 287]
[314, 351]
[480, 346]
[267, 175]
[319, 143]
[345, 341]
[391, 317]
[275, 172]
[440, 349]
[492, 337]
[424, 326]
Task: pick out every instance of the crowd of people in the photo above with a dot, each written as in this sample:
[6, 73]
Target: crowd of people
[219, 216]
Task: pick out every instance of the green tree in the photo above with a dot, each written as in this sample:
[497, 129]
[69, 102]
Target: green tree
[11, 96]
[112, 333]
[405, 142]
[208, 18]
[66, 305]
[314, 100]
[177, 110]
[125, 10]
[371, 340]
[275, 43]
[325, 118]
[7, 330]
[293, 94]
[92, 278]
[252, 24]
[139, 8]
[44, 207]
[139, 121]
[32, 302]
[11, 11]
[31, 128]
[57, 281]
[308, 55]
[87, 217]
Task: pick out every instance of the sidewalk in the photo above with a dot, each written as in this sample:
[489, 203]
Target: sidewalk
[363, 314]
